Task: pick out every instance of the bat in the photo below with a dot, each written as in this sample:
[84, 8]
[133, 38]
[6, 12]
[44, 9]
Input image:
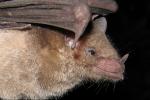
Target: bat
[32, 67]
[73, 15]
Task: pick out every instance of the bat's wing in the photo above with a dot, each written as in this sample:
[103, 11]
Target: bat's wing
[59, 13]
[14, 26]
[103, 6]
[72, 15]
[55, 17]
[55, 14]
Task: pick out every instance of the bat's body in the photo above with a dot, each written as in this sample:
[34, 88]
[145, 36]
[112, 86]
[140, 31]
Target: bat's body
[38, 62]
[73, 15]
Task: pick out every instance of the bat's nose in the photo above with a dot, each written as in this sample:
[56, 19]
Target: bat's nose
[111, 68]
[110, 65]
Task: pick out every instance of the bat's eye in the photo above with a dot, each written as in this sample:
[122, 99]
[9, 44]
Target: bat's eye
[90, 51]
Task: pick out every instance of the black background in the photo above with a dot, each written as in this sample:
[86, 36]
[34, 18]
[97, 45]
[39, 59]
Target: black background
[129, 29]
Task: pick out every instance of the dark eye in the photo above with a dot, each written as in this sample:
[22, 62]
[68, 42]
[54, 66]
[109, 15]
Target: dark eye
[90, 51]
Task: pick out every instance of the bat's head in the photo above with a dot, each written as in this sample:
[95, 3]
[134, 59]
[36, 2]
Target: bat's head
[95, 57]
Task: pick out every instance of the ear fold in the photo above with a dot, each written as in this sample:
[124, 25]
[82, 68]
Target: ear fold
[101, 24]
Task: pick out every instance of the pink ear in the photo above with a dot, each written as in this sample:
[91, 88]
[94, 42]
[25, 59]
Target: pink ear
[101, 24]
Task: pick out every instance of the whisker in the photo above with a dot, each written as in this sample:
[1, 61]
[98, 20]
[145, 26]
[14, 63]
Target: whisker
[114, 87]
[106, 86]
[98, 88]
[92, 84]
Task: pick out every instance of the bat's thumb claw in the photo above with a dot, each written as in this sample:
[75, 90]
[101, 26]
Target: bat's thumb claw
[73, 45]
[70, 42]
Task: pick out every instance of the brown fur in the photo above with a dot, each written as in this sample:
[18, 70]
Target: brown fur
[37, 63]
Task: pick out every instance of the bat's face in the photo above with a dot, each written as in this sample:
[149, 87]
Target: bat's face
[96, 57]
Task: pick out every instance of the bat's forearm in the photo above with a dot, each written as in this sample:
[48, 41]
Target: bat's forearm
[97, 6]
[20, 3]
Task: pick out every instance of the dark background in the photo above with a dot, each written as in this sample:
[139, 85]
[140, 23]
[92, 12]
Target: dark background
[129, 30]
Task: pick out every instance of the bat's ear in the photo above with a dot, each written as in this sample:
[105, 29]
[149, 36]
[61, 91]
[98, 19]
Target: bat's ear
[101, 24]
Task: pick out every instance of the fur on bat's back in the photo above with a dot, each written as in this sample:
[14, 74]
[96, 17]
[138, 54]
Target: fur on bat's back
[26, 60]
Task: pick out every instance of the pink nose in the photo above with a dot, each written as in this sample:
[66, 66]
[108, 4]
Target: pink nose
[110, 65]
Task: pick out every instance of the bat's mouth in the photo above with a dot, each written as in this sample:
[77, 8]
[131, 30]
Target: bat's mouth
[110, 75]
[112, 69]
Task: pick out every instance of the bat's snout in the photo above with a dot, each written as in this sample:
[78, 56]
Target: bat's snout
[111, 68]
